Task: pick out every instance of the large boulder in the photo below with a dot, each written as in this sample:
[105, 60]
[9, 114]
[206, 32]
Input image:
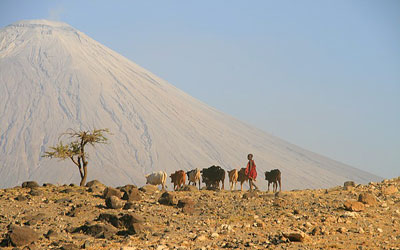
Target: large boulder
[149, 189]
[109, 191]
[132, 194]
[30, 184]
[114, 202]
[355, 206]
[127, 188]
[99, 230]
[21, 236]
[95, 186]
[296, 236]
[168, 198]
[367, 198]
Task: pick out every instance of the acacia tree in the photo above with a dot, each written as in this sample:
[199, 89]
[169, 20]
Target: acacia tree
[75, 150]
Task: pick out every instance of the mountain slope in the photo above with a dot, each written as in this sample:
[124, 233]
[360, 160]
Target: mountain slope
[53, 77]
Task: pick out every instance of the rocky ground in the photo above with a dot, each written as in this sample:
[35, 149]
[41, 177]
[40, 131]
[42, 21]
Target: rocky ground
[97, 217]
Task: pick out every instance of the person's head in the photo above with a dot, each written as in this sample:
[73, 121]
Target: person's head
[250, 156]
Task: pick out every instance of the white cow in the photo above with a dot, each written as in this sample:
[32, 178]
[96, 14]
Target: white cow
[193, 176]
[157, 178]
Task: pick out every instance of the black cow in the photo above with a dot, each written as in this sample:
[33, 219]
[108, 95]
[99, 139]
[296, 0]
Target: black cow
[275, 177]
[212, 176]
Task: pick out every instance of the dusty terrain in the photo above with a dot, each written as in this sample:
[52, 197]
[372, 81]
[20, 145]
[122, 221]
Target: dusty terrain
[71, 217]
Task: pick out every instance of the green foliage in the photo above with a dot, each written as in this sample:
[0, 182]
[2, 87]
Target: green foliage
[75, 149]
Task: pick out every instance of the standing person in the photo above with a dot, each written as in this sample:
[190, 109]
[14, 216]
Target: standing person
[251, 172]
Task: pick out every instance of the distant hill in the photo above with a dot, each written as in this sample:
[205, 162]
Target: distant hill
[54, 77]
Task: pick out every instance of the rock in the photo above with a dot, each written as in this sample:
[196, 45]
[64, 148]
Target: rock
[389, 190]
[76, 211]
[249, 195]
[51, 235]
[109, 191]
[110, 218]
[214, 235]
[128, 220]
[190, 188]
[70, 246]
[128, 248]
[36, 192]
[349, 184]
[95, 186]
[30, 184]
[297, 236]
[114, 202]
[367, 198]
[149, 189]
[127, 188]
[63, 200]
[187, 205]
[355, 206]
[342, 229]
[132, 194]
[21, 198]
[21, 236]
[200, 238]
[48, 185]
[94, 183]
[129, 205]
[99, 230]
[168, 198]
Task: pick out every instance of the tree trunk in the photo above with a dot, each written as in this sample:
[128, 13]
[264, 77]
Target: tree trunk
[83, 179]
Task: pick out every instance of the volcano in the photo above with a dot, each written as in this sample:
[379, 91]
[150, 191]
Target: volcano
[54, 77]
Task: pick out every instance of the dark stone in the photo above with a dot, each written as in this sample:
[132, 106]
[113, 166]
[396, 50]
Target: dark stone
[21, 198]
[114, 202]
[109, 191]
[67, 191]
[129, 219]
[63, 200]
[21, 236]
[36, 192]
[99, 230]
[95, 186]
[132, 194]
[51, 235]
[349, 184]
[168, 198]
[127, 188]
[129, 205]
[30, 184]
[112, 219]
[48, 185]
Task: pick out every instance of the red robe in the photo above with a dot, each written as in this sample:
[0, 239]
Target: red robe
[251, 173]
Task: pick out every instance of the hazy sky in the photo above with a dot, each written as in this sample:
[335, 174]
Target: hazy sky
[324, 75]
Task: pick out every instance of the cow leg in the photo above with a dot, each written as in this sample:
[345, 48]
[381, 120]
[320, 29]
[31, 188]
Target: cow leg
[241, 186]
[280, 185]
[268, 186]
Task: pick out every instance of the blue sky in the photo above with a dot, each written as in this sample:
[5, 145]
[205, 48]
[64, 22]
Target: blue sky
[324, 75]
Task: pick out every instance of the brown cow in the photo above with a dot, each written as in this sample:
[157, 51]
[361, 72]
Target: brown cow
[274, 176]
[178, 179]
[233, 176]
[242, 177]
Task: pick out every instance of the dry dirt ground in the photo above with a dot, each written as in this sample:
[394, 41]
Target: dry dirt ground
[71, 217]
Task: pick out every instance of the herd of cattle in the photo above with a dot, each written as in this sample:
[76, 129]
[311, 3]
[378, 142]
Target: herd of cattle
[212, 177]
